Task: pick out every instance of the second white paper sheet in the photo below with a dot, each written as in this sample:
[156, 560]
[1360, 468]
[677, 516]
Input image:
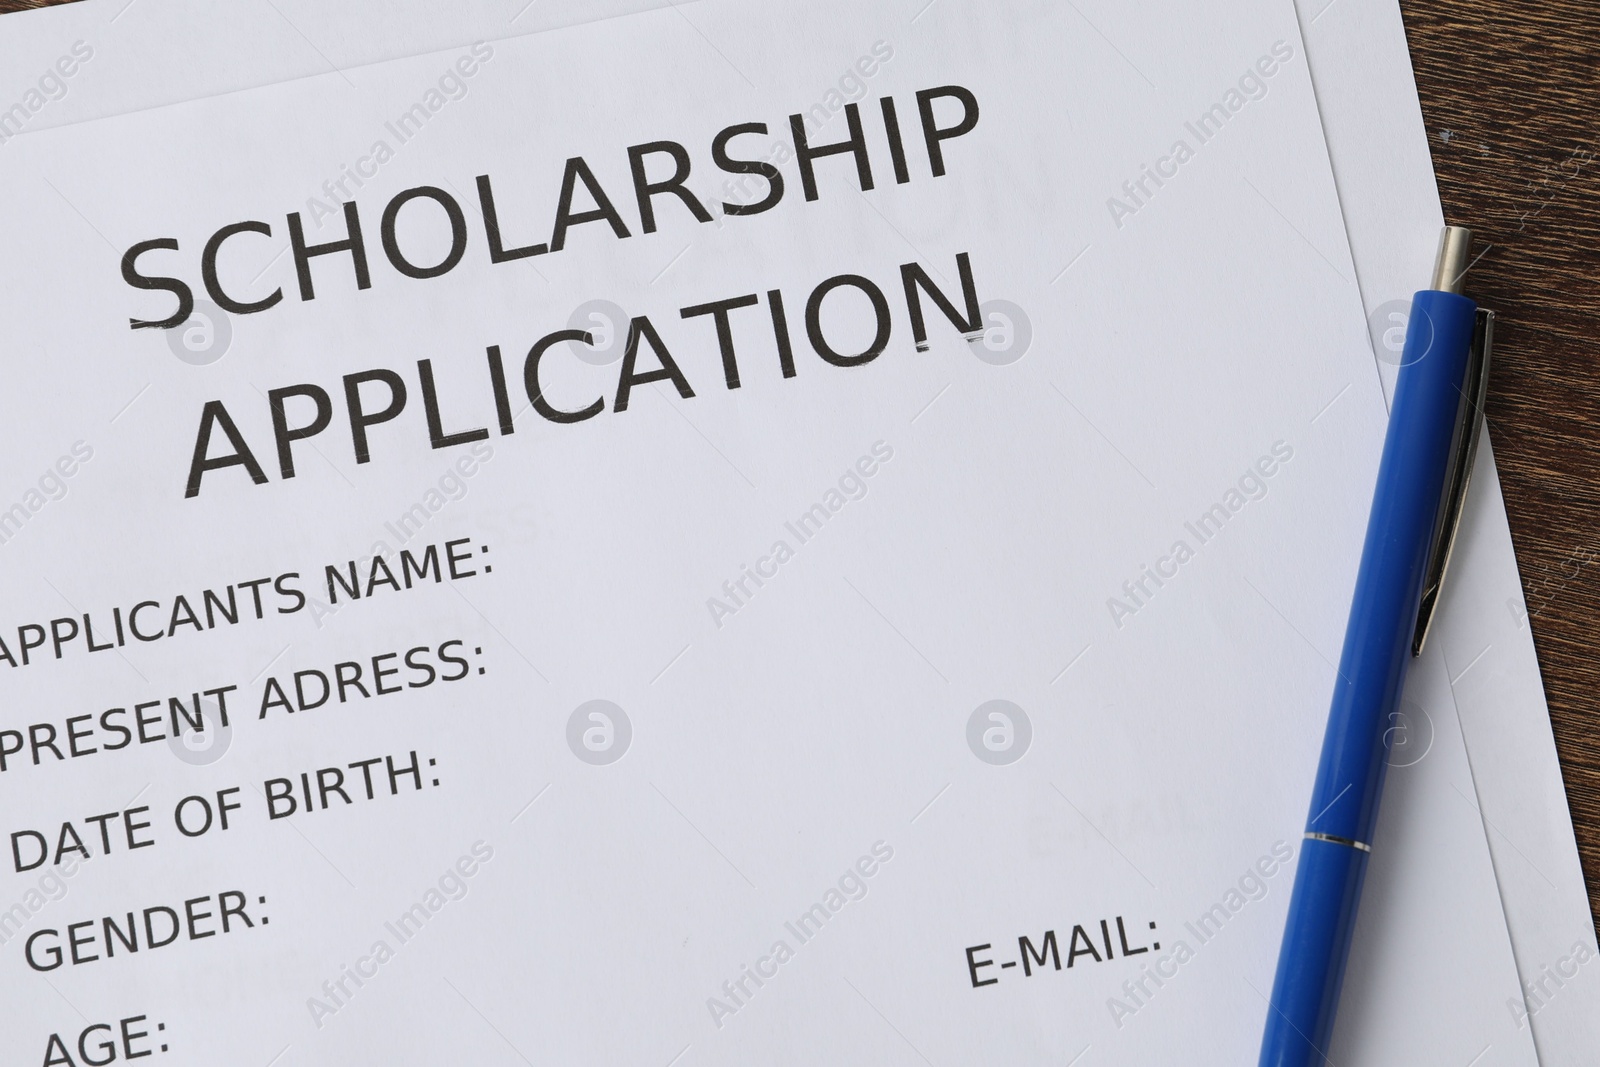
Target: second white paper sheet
[1379, 146]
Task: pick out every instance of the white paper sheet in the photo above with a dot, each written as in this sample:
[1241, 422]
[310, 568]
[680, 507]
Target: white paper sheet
[1376, 138]
[324, 48]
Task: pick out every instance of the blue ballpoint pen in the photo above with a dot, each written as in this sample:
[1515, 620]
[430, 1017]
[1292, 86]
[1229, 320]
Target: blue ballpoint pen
[1422, 481]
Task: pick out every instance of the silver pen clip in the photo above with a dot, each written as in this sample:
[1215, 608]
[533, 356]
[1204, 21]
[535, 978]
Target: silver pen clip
[1463, 452]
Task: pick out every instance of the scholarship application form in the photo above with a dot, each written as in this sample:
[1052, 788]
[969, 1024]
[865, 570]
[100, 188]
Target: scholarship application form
[165, 50]
[662, 789]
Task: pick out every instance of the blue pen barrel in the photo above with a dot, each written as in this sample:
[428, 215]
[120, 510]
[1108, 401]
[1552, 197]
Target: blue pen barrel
[1371, 675]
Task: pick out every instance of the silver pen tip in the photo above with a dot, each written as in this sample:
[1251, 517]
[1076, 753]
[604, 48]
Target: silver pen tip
[1450, 268]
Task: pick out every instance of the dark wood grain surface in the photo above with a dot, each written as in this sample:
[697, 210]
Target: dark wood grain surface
[1509, 91]
[1512, 103]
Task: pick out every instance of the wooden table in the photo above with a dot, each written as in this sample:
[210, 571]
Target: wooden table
[1510, 98]
[1513, 113]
